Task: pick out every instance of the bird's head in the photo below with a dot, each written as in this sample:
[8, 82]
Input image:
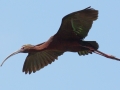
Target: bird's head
[25, 49]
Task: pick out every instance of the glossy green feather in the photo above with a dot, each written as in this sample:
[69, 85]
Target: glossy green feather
[76, 25]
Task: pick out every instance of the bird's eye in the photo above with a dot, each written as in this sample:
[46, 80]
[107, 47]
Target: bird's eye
[23, 47]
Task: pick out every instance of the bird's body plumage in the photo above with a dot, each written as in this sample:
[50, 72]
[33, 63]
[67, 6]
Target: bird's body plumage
[70, 37]
[74, 28]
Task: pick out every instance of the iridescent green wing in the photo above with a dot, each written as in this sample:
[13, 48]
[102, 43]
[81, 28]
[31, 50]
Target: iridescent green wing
[84, 52]
[81, 26]
[77, 24]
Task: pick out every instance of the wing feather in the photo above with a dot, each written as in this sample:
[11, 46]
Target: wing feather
[37, 60]
[77, 24]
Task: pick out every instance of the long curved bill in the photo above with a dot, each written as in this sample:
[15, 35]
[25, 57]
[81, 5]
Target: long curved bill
[19, 51]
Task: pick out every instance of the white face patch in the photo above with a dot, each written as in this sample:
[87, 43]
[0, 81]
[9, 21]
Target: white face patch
[27, 46]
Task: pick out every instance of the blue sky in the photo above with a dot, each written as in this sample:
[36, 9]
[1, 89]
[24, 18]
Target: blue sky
[33, 22]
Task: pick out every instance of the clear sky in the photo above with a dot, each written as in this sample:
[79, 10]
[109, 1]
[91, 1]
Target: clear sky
[34, 21]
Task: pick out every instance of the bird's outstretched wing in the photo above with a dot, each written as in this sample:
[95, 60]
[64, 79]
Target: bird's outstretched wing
[37, 60]
[77, 24]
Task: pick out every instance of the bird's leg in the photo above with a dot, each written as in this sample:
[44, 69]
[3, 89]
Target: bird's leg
[101, 53]
[106, 55]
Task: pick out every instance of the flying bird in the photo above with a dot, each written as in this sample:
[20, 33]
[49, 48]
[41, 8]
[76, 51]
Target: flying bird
[70, 37]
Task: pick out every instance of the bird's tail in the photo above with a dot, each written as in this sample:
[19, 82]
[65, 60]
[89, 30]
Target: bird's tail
[86, 51]
[92, 44]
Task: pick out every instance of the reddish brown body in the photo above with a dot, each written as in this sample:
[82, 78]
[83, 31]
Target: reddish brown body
[61, 45]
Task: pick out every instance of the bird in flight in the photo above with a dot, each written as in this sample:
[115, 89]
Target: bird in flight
[70, 37]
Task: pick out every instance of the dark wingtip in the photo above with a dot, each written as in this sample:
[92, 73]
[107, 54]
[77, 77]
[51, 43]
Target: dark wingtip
[92, 12]
[88, 7]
